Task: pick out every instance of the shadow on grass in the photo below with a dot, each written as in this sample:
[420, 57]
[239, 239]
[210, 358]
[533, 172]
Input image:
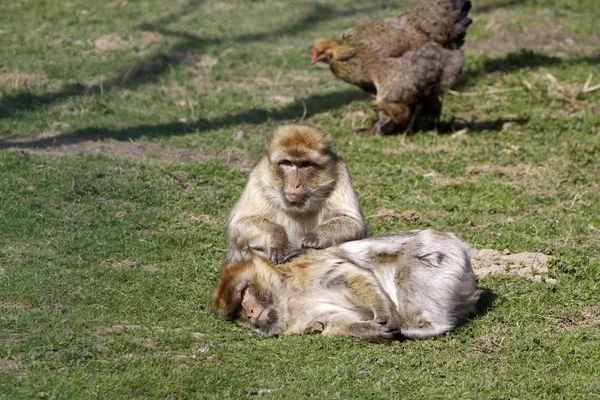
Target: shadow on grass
[293, 112]
[512, 62]
[486, 302]
[496, 5]
[150, 68]
[457, 124]
[450, 127]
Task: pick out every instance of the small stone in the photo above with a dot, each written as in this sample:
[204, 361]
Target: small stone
[240, 135]
[510, 125]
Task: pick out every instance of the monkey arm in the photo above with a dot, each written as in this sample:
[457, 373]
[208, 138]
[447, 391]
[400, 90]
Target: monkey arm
[338, 229]
[258, 233]
[341, 217]
[343, 325]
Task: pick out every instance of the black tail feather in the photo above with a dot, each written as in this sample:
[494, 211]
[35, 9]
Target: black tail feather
[463, 5]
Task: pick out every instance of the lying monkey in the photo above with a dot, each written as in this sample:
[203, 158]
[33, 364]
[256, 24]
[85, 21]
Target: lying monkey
[413, 284]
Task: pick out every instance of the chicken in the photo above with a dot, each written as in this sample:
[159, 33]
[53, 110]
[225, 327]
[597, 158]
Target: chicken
[441, 21]
[412, 83]
[372, 56]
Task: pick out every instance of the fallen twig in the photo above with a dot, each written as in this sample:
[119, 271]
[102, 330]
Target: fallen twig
[586, 86]
[472, 94]
[564, 93]
[533, 92]
[305, 111]
[219, 57]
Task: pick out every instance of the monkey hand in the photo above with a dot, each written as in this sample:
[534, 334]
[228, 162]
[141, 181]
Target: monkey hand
[277, 255]
[293, 254]
[312, 241]
[315, 327]
[387, 333]
[383, 317]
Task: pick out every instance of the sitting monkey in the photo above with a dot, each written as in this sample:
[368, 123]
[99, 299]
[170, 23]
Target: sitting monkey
[413, 284]
[299, 195]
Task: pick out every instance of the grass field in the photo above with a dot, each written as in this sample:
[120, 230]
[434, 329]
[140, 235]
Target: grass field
[121, 155]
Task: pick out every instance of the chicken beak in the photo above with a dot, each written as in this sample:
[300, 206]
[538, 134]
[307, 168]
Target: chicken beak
[315, 58]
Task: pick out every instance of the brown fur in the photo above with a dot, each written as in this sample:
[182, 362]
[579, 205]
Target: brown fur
[414, 284]
[298, 196]
[370, 54]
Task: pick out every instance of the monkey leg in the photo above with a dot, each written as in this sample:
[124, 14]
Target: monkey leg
[366, 289]
[367, 330]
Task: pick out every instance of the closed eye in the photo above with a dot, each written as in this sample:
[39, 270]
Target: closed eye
[306, 164]
[285, 163]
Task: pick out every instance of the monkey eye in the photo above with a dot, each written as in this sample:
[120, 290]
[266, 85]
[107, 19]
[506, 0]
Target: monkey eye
[285, 163]
[306, 164]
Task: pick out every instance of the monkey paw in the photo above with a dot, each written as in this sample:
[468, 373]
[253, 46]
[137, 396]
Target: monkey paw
[293, 254]
[277, 256]
[387, 333]
[311, 241]
[316, 327]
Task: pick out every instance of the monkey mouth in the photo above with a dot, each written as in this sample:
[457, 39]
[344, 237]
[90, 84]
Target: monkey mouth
[295, 199]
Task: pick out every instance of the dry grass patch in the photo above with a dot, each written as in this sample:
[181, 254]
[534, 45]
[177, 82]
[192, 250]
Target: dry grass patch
[22, 80]
[589, 317]
[188, 218]
[109, 43]
[11, 367]
[388, 214]
[130, 264]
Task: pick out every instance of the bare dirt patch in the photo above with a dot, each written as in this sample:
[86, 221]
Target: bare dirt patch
[58, 145]
[109, 42]
[537, 33]
[282, 99]
[529, 265]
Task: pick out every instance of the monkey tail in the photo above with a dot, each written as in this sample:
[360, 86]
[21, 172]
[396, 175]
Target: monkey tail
[426, 331]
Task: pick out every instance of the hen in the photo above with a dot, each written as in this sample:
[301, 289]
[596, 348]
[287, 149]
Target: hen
[371, 54]
[413, 84]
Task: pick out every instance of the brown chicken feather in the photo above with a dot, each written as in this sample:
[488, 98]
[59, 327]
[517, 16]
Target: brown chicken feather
[382, 58]
[416, 80]
[440, 21]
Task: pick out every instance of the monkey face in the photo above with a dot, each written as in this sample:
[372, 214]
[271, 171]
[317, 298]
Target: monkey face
[296, 175]
[304, 182]
[257, 311]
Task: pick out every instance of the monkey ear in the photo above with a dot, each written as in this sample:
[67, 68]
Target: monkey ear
[252, 252]
[255, 256]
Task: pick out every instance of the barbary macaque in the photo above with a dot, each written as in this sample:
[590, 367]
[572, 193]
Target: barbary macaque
[415, 285]
[298, 196]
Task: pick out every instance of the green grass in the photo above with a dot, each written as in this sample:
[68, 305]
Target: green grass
[107, 261]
